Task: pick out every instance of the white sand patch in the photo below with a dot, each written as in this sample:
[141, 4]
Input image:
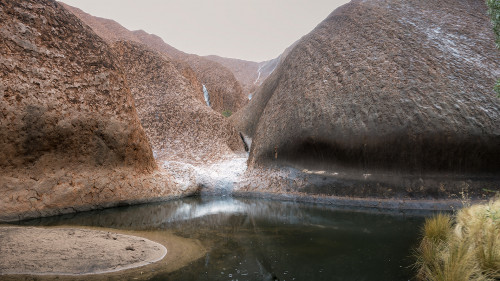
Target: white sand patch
[220, 176]
[73, 251]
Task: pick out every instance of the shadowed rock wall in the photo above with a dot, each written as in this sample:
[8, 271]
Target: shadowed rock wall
[385, 85]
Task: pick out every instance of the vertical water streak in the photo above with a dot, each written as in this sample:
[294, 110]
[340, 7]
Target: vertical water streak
[205, 94]
[258, 77]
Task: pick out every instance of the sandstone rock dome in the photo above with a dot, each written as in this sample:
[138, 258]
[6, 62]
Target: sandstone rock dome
[385, 85]
[224, 90]
[63, 93]
[70, 137]
[179, 126]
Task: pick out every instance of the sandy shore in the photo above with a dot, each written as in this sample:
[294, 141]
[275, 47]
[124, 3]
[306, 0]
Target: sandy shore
[90, 253]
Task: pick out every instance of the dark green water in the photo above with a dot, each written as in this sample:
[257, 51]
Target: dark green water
[255, 239]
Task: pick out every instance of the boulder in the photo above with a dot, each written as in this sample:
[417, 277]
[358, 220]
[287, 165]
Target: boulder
[70, 137]
[384, 87]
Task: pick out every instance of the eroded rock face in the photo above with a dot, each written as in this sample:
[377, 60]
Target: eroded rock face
[246, 119]
[394, 86]
[179, 125]
[250, 74]
[224, 90]
[70, 138]
[63, 93]
[247, 72]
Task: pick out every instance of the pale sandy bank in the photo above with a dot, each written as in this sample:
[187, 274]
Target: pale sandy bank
[74, 253]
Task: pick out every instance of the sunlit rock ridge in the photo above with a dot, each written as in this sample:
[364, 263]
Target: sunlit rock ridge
[383, 87]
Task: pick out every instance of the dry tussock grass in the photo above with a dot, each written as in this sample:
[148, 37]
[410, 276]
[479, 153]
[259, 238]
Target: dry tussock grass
[464, 247]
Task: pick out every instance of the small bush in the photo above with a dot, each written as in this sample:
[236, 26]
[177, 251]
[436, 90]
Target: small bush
[437, 228]
[497, 88]
[464, 248]
[227, 113]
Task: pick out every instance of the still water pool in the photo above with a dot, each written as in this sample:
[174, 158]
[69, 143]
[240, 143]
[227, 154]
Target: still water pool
[255, 239]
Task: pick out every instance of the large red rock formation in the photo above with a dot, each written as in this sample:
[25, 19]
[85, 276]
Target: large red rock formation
[383, 87]
[70, 138]
[224, 90]
[179, 126]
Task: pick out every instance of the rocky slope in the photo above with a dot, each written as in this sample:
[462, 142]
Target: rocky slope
[245, 119]
[250, 74]
[70, 138]
[224, 90]
[246, 72]
[384, 88]
[179, 126]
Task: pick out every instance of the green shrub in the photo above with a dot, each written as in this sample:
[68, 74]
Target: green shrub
[227, 113]
[497, 88]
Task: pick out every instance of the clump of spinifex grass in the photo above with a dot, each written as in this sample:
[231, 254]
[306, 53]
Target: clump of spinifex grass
[464, 247]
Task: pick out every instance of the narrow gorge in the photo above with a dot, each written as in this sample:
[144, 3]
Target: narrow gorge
[330, 155]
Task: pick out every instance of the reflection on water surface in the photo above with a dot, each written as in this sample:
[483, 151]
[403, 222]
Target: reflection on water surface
[255, 239]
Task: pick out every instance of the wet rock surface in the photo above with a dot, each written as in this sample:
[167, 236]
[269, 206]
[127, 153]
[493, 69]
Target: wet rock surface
[70, 137]
[385, 86]
[381, 190]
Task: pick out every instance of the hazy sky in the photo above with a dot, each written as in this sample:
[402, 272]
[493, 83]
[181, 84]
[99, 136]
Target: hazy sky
[254, 30]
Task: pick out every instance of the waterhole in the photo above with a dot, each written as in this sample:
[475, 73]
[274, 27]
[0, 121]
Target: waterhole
[257, 239]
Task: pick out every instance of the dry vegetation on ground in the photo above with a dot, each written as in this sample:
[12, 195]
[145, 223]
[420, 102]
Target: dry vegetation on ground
[463, 247]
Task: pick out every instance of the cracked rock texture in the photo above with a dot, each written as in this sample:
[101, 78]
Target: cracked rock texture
[224, 90]
[179, 126]
[392, 86]
[70, 137]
